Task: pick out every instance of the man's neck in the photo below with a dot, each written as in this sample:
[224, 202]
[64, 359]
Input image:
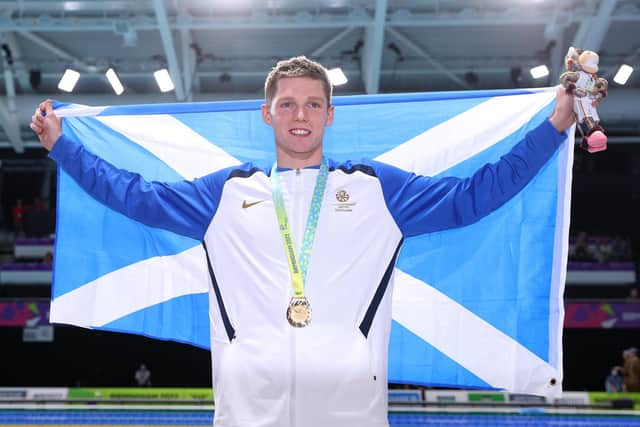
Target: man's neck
[298, 161]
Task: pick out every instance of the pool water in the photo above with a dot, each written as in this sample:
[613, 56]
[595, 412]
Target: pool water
[174, 418]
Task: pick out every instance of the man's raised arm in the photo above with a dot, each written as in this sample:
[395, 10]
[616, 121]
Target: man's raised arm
[184, 207]
[422, 204]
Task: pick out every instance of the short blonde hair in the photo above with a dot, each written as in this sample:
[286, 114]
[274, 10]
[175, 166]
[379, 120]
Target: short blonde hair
[298, 66]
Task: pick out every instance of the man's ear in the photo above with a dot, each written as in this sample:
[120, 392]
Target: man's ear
[266, 115]
[329, 115]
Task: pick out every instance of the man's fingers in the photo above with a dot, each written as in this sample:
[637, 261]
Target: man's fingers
[45, 106]
[37, 129]
[37, 118]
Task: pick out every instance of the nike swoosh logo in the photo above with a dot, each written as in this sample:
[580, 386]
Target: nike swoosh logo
[246, 205]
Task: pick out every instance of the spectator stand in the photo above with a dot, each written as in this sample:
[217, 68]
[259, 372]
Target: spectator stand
[600, 260]
[29, 273]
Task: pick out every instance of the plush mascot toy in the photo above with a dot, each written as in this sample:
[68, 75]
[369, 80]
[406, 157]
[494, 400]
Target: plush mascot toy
[581, 80]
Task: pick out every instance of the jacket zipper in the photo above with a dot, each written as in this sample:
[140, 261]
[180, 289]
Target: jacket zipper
[292, 399]
[297, 212]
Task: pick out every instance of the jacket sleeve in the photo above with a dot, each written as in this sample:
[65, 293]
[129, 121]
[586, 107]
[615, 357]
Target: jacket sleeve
[421, 204]
[184, 207]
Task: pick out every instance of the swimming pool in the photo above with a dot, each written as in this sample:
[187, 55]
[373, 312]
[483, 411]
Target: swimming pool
[418, 417]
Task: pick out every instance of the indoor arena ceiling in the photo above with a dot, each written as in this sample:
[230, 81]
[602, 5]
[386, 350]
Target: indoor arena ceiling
[222, 49]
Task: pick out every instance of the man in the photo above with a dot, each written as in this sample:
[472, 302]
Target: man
[631, 370]
[614, 383]
[142, 376]
[300, 303]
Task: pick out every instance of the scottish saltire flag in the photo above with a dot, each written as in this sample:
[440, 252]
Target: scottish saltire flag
[477, 307]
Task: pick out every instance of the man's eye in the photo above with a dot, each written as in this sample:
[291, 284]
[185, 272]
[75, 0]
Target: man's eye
[285, 105]
[314, 105]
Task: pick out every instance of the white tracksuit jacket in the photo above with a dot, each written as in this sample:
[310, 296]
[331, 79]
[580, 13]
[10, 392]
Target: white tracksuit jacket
[332, 373]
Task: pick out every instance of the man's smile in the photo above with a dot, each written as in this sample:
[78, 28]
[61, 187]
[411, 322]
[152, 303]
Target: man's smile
[300, 132]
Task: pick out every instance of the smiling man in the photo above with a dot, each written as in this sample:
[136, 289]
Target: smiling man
[300, 302]
[298, 109]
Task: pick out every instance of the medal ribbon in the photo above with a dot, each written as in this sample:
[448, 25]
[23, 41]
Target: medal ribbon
[298, 269]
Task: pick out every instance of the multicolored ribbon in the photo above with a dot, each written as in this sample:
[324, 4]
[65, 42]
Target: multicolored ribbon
[298, 269]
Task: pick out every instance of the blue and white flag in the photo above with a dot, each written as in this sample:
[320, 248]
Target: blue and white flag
[475, 307]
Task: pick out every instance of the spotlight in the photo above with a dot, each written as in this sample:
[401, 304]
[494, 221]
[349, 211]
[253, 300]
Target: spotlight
[164, 80]
[68, 80]
[337, 76]
[539, 71]
[623, 74]
[112, 76]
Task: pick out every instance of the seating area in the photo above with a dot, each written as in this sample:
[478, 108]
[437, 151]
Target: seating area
[28, 273]
[32, 247]
[600, 260]
[32, 263]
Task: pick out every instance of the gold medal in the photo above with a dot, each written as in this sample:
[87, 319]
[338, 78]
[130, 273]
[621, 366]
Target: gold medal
[299, 312]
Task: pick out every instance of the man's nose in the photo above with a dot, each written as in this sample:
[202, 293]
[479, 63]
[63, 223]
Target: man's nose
[301, 114]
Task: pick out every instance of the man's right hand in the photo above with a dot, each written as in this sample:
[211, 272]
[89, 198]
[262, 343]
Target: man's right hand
[46, 124]
[562, 116]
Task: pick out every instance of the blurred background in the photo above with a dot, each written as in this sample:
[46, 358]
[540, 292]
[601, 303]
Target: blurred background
[221, 50]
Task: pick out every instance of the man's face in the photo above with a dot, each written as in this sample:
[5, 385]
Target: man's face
[298, 113]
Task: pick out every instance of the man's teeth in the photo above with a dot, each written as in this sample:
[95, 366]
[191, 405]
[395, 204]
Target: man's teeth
[300, 132]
